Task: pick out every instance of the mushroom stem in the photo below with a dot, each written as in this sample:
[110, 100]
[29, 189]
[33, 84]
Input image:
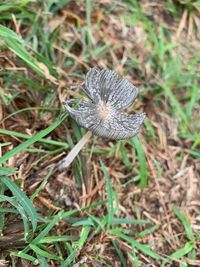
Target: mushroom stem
[74, 152]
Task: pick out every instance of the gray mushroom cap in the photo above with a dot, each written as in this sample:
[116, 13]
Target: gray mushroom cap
[103, 113]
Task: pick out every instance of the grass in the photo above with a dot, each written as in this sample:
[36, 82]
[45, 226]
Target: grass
[125, 203]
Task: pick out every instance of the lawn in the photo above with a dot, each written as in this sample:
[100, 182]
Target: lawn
[131, 202]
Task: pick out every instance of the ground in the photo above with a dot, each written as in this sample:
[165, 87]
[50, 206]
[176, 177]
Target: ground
[120, 203]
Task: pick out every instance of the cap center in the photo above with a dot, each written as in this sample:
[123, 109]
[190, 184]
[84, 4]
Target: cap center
[104, 111]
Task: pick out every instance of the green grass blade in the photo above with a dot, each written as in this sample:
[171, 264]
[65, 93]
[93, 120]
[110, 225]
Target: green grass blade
[77, 246]
[32, 140]
[29, 109]
[59, 216]
[182, 217]
[37, 191]
[23, 200]
[7, 210]
[197, 141]
[15, 44]
[21, 52]
[193, 100]
[134, 258]
[42, 261]
[48, 228]
[25, 257]
[148, 231]
[125, 156]
[142, 160]
[8, 33]
[84, 222]
[111, 210]
[26, 136]
[149, 128]
[175, 103]
[53, 239]
[7, 171]
[20, 210]
[182, 251]
[99, 222]
[83, 237]
[69, 259]
[179, 253]
[143, 248]
[119, 253]
[44, 253]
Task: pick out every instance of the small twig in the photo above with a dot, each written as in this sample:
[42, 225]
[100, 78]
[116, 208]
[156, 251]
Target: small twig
[74, 152]
[75, 86]
[182, 24]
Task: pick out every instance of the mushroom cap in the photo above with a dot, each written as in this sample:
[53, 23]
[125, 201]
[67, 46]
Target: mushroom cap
[103, 113]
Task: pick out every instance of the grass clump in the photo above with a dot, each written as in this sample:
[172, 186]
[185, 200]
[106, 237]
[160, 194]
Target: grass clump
[126, 203]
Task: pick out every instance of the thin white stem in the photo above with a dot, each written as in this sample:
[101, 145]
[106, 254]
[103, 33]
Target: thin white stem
[74, 152]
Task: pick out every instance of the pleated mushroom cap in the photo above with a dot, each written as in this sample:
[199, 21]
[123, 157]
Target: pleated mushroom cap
[103, 113]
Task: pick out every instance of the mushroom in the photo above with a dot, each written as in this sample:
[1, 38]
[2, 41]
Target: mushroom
[102, 114]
